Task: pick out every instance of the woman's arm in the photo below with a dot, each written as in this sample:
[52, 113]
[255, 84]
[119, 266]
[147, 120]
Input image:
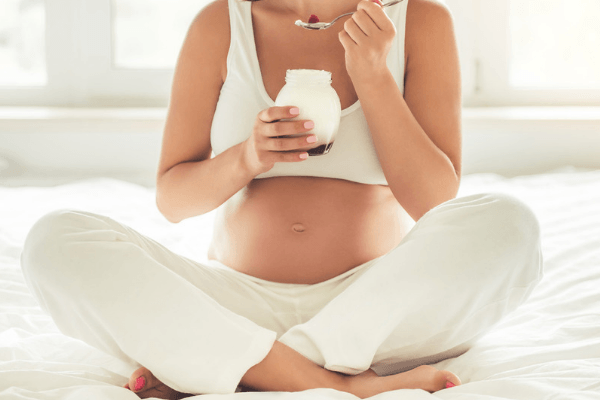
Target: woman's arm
[418, 137]
[197, 187]
[188, 182]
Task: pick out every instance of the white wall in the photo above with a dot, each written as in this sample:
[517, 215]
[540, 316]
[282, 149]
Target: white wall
[41, 146]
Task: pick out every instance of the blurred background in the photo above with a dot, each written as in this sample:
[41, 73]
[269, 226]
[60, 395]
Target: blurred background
[84, 85]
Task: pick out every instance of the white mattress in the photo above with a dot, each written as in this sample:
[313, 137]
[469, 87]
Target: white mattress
[548, 349]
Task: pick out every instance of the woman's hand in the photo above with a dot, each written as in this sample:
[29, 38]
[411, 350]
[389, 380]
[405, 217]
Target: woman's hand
[270, 141]
[367, 38]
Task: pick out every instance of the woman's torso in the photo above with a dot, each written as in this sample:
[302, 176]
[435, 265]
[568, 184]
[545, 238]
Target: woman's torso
[296, 229]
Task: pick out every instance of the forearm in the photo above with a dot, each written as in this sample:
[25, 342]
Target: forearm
[195, 188]
[419, 174]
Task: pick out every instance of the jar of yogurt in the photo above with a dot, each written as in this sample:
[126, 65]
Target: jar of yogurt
[310, 90]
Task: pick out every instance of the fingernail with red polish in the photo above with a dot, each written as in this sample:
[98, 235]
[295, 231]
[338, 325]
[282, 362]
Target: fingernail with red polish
[140, 382]
[449, 384]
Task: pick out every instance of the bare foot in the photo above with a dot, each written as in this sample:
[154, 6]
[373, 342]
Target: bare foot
[363, 385]
[149, 386]
[424, 377]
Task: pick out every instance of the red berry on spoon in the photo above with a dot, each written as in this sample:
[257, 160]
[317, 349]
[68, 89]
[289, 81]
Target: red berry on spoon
[313, 18]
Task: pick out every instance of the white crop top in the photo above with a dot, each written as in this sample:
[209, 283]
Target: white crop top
[243, 96]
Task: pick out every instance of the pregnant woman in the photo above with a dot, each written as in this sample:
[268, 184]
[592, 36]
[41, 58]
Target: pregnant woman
[352, 270]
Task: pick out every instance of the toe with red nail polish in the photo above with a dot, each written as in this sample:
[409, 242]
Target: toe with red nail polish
[140, 382]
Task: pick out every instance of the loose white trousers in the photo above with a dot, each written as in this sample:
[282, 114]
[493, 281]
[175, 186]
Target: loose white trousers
[200, 326]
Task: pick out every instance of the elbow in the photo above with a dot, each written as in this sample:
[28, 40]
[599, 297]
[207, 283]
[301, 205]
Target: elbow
[422, 201]
[165, 211]
[171, 219]
[418, 211]
[162, 203]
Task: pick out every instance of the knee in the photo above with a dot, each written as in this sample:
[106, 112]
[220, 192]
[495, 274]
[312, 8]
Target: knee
[45, 254]
[514, 220]
[494, 218]
[514, 234]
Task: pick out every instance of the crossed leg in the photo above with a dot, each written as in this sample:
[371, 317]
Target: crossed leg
[463, 266]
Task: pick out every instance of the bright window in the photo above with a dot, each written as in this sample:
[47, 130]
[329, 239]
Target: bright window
[113, 53]
[530, 52]
[149, 33]
[555, 44]
[22, 45]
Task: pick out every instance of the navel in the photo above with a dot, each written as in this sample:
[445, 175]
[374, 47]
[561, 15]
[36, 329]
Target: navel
[299, 228]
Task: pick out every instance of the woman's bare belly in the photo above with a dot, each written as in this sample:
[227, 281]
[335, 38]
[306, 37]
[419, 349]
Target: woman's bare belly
[306, 229]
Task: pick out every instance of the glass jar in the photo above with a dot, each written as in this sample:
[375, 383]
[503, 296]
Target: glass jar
[310, 90]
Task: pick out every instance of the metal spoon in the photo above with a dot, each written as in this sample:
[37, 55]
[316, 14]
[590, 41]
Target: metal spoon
[316, 26]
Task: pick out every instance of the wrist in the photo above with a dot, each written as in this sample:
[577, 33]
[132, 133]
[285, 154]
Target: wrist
[374, 81]
[244, 162]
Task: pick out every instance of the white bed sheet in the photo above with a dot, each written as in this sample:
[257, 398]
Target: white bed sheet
[548, 349]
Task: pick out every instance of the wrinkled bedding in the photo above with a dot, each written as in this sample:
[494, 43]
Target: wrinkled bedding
[549, 348]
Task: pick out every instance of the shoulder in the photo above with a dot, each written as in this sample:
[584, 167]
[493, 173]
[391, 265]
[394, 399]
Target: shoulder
[426, 17]
[427, 11]
[210, 29]
[429, 24]
[212, 19]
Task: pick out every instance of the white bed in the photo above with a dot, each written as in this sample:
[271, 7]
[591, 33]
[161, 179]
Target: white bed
[548, 349]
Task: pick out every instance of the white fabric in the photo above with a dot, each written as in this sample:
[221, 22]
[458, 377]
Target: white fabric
[462, 267]
[548, 348]
[243, 96]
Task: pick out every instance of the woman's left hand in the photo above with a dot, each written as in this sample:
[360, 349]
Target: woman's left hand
[367, 37]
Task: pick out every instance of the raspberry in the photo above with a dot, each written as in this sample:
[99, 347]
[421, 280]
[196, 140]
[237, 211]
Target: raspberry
[313, 18]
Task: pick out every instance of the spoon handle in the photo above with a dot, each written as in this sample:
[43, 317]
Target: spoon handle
[391, 3]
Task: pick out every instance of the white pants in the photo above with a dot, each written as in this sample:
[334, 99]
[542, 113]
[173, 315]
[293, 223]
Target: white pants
[464, 265]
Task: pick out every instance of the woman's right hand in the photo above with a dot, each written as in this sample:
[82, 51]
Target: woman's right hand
[270, 141]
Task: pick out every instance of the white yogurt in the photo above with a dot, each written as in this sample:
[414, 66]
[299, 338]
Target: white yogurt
[310, 90]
